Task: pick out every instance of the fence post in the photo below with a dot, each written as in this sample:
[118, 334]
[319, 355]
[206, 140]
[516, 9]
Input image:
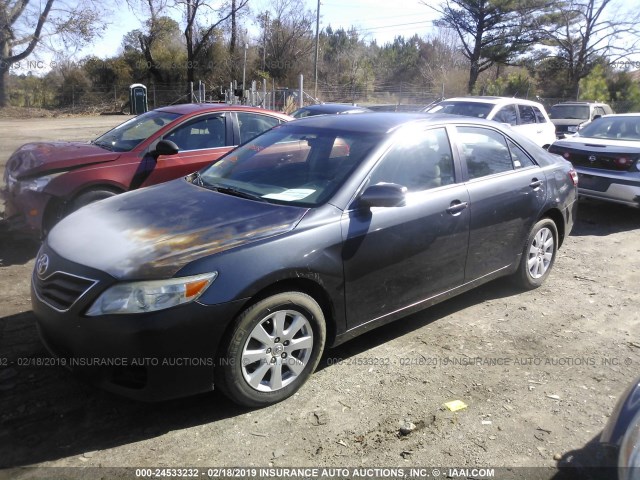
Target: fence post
[264, 93]
[301, 94]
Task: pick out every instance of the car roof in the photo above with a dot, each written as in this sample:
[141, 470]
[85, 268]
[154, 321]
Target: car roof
[383, 122]
[579, 102]
[493, 100]
[192, 108]
[615, 115]
[333, 107]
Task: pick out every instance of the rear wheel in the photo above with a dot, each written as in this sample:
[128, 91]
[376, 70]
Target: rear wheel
[272, 350]
[539, 254]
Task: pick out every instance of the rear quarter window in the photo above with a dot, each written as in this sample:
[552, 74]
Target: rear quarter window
[540, 118]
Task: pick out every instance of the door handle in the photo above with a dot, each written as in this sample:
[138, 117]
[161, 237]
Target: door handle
[457, 207]
[535, 183]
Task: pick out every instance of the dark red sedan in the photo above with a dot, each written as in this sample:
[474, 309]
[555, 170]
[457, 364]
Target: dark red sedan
[45, 181]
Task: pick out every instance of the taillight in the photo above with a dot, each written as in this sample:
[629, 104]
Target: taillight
[622, 162]
[573, 175]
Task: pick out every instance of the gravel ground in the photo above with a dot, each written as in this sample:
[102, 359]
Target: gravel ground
[539, 373]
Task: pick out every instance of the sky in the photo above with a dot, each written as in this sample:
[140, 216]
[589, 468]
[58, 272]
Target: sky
[380, 20]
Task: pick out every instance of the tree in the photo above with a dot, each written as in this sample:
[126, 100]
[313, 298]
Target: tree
[198, 36]
[24, 24]
[594, 86]
[584, 31]
[491, 31]
[289, 39]
[162, 49]
[624, 92]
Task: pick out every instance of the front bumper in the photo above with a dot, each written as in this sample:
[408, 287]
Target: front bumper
[24, 212]
[155, 356]
[622, 187]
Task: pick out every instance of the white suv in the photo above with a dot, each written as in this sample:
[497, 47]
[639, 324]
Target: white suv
[527, 117]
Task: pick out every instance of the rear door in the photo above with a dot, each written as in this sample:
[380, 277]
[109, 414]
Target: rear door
[398, 256]
[506, 194]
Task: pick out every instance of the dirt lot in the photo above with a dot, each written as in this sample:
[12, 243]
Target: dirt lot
[539, 372]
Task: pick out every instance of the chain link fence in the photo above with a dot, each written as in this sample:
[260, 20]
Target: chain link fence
[115, 97]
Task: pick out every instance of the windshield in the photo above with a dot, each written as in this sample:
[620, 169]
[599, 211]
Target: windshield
[291, 165]
[570, 112]
[127, 136]
[467, 109]
[618, 128]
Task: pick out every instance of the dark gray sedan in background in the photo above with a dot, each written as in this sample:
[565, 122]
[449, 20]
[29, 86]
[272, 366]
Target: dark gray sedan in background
[239, 275]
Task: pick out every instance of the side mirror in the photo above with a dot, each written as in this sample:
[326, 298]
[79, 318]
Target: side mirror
[383, 195]
[166, 147]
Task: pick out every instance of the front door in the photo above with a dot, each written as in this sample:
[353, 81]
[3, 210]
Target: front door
[398, 256]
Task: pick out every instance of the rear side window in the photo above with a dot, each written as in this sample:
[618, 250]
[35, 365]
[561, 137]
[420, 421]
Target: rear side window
[484, 151]
[520, 159]
[539, 115]
[252, 124]
[527, 114]
[507, 114]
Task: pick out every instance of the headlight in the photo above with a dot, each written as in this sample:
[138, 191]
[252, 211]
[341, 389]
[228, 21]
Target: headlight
[141, 297]
[36, 184]
[629, 459]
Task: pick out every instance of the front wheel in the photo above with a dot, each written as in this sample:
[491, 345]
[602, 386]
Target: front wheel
[272, 350]
[539, 254]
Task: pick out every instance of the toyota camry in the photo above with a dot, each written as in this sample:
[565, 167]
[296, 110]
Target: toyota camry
[239, 275]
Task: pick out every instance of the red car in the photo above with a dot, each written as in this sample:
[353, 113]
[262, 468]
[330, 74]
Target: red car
[45, 181]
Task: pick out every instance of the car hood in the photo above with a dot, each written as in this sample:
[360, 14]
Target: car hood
[153, 232]
[40, 157]
[600, 144]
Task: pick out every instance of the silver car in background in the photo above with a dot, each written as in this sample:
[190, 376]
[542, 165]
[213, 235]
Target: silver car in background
[606, 155]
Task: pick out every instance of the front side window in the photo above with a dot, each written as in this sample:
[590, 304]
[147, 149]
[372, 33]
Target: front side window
[127, 136]
[484, 151]
[420, 161]
[251, 125]
[201, 133]
[290, 165]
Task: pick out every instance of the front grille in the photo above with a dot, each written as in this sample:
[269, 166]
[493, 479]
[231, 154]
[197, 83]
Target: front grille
[61, 290]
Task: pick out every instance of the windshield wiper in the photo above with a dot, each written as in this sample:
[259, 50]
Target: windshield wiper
[235, 192]
[104, 145]
[196, 179]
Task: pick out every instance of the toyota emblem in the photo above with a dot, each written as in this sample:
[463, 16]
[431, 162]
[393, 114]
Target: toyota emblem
[592, 158]
[42, 265]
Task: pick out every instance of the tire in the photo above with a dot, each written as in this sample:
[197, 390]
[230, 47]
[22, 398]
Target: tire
[88, 197]
[539, 255]
[259, 365]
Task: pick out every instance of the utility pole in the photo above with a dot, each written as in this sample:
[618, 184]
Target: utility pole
[244, 67]
[315, 63]
[264, 42]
